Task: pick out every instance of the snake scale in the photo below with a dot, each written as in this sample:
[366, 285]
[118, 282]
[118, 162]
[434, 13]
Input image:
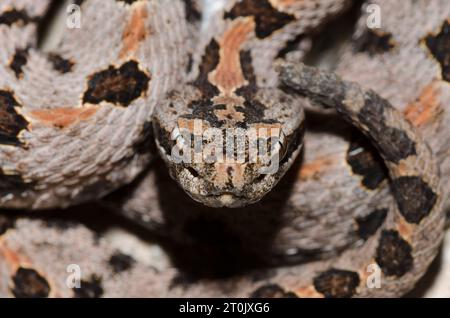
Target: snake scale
[78, 122]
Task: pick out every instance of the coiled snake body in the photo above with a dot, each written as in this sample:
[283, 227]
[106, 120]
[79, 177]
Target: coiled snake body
[76, 124]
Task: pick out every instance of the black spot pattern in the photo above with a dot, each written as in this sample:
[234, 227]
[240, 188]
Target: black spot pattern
[252, 110]
[394, 254]
[120, 262]
[249, 90]
[28, 283]
[267, 18]
[204, 109]
[60, 64]
[11, 17]
[415, 199]
[272, 291]
[373, 42]
[336, 283]
[11, 123]
[368, 225]
[18, 61]
[393, 143]
[439, 46]
[254, 113]
[192, 13]
[117, 85]
[366, 162]
[210, 60]
[89, 289]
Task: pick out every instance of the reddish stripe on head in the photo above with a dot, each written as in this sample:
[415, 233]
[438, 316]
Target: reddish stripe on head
[228, 75]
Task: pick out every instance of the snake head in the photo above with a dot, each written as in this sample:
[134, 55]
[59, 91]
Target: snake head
[230, 151]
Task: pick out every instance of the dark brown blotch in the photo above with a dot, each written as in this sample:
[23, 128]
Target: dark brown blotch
[11, 123]
[415, 198]
[249, 90]
[394, 254]
[439, 46]
[120, 86]
[28, 283]
[272, 291]
[89, 289]
[368, 225]
[254, 113]
[267, 18]
[210, 60]
[60, 64]
[393, 143]
[337, 283]
[14, 16]
[205, 110]
[18, 61]
[365, 161]
[121, 262]
[193, 14]
[252, 110]
[373, 42]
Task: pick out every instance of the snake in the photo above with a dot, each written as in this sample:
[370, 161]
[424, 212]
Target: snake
[79, 121]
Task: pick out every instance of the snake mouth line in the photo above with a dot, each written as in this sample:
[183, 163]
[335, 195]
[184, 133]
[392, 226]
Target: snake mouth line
[223, 200]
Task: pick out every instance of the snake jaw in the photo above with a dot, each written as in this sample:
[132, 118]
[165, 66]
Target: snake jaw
[239, 184]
